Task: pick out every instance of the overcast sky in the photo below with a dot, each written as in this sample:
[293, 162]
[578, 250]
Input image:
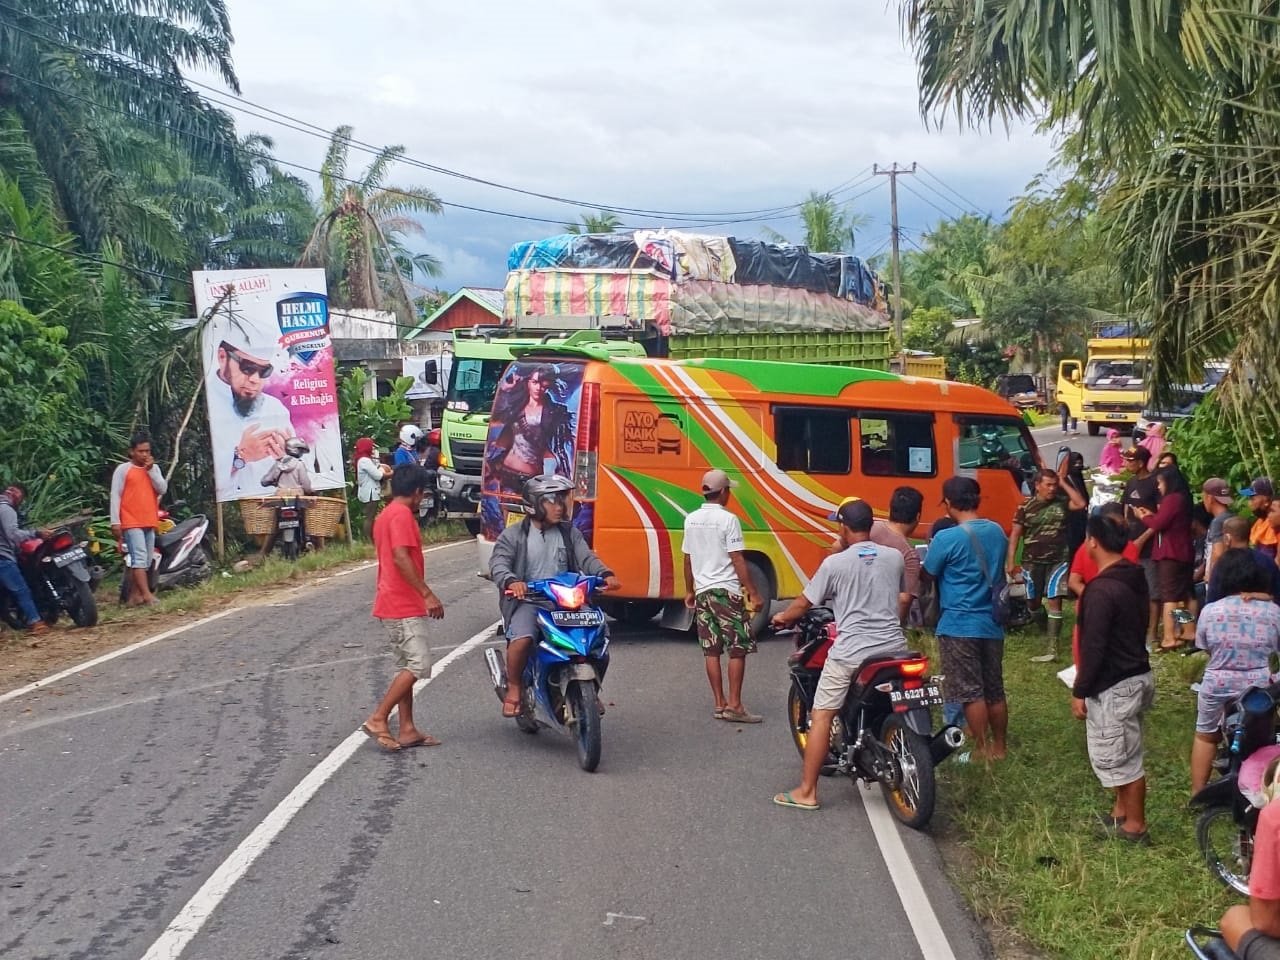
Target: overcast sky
[704, 107]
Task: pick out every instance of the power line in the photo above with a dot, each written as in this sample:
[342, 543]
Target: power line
[920, 196]
[310, 129]
[971, 206]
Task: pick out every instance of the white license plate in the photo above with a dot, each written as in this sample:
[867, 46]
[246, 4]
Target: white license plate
[288, 524]
[69, 557]
[929, 695]
[577, 618]
[1117, 416]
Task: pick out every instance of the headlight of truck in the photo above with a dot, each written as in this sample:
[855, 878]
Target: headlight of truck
[1088, 407]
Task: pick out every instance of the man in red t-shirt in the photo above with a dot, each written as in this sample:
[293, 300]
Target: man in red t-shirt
[1253, 932]
[403, 602]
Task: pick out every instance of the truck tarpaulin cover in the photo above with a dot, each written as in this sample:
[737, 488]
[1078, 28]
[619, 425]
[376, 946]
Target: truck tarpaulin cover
[692, 306]
[685, 257]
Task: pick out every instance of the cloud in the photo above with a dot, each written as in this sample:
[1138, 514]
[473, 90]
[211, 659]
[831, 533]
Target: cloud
[723, 105]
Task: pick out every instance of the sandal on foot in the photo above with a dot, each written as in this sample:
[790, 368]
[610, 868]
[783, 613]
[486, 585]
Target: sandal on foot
[786, 800]
[384, 740]
[510, 709]
[739, 716]
[426, 740]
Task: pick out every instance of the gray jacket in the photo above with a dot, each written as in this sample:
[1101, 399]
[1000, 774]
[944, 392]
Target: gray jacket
[507, 563]
[10, 533]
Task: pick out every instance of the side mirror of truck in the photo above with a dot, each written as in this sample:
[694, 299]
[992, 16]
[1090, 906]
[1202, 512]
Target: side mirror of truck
[431, 373]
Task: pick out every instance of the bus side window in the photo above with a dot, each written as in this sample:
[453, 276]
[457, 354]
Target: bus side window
[897, 444]
[813, 439]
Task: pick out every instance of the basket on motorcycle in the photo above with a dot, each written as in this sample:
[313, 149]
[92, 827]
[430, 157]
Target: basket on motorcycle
[258, 516]
[322, 515]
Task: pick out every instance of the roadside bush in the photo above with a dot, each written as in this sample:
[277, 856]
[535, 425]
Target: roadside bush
[1207, 446]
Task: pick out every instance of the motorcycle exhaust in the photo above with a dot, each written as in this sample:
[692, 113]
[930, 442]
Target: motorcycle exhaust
[497, 672]
[946, 742]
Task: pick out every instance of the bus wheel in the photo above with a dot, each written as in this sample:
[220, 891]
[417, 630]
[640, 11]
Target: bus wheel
[764, 590]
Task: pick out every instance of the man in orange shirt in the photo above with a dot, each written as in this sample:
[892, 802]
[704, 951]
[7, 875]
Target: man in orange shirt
[136, 488]
[403, 602]
[1262, 536]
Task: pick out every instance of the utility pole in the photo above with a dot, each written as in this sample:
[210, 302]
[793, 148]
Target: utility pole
[893, 173]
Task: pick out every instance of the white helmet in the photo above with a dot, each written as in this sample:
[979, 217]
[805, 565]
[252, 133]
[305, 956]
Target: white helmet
[410, 435]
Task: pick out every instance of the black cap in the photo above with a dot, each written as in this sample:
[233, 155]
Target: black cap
[857, 516]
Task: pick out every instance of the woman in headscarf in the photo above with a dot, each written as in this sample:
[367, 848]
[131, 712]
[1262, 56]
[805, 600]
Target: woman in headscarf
[1173, 552]
[1154, 441]
[1112, 460]
[369, 477]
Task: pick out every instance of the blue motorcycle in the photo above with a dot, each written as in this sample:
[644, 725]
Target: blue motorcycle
[566, 666]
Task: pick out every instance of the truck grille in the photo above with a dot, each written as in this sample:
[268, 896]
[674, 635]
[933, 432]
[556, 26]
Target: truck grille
[468, 456]
[1117, 407]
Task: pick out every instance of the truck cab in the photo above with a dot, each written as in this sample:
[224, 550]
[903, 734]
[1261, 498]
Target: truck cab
[1108, 388]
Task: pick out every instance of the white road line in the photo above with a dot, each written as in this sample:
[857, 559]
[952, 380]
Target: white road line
[184, 927]
[167, 634]
[915, 902]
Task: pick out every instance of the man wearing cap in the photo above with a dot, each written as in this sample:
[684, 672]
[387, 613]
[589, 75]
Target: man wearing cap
[1262, 536]
[1215, 496]
[248, 427]
[1141, 492]
[863, 582]
[718, 589]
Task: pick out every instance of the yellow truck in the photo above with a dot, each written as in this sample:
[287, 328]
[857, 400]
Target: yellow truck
[1109, 388]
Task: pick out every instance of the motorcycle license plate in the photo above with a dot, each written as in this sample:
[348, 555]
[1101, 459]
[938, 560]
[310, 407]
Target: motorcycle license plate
[928, 695]
[513, 517]
[68, 557]
[577, 618]
[288, 524]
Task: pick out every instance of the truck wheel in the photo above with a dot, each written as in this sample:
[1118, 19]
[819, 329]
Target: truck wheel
[473, 526]
[1094, 428]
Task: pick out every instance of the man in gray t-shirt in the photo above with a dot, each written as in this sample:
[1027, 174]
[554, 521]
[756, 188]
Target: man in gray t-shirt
[861, 583]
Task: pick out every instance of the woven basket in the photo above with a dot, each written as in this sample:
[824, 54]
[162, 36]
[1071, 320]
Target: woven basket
[259, 517]
[323, 514]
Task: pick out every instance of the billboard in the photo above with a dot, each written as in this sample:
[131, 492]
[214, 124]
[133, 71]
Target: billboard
[268, 366]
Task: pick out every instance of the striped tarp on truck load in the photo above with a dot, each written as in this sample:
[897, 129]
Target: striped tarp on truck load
[691, 307]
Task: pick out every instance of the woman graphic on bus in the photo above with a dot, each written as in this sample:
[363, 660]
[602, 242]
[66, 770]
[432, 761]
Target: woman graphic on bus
[530, 426]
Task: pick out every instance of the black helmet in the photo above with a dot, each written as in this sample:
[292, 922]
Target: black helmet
[538, 490]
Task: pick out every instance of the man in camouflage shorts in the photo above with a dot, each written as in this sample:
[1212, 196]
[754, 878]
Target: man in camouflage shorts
[719, 591]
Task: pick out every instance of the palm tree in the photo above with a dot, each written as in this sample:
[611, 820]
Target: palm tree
[359, 234]
[828, 226]
[1173, 113]
[79, 76]
[599, 222]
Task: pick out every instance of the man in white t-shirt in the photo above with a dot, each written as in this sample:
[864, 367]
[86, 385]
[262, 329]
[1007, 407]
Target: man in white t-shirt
[863, 582]
[718, 589]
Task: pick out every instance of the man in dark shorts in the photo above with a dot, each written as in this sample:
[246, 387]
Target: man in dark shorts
[1141, 491]
[1040, 525]
[965, 561]
[719, 591]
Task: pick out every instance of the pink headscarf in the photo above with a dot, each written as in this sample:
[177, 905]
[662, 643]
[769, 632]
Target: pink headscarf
[1112, 460]
[1154, 441]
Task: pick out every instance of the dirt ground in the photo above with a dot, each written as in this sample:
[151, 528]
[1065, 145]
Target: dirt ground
[24, 659]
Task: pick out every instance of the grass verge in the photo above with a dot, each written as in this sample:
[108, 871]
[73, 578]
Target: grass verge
[274, 571]
[1033, 863]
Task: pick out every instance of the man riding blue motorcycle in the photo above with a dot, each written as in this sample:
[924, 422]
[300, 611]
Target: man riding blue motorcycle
[543, 545]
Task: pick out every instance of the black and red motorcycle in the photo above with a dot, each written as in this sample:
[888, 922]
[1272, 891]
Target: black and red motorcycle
[883, 734]
[59, 575]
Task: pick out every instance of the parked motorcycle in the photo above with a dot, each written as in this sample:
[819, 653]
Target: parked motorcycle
[180, 557]
[563, 674]
[1206, 944]
[1224, 831]
[59, 576]
[883, 732]
[291, 527]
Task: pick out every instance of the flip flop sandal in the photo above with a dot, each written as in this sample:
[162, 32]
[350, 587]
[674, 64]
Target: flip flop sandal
[510, 709]
[385, 741]
[786, 800]
[718, 714]
[426, 741]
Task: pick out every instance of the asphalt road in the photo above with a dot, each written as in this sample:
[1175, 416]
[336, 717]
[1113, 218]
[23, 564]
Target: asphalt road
[128, 786]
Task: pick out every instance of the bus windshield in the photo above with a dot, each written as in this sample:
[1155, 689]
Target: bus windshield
[473, 383]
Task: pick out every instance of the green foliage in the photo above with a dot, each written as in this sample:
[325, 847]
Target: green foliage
[48, 439]
[927, 329]
[1208, 446]
[362, 417]
[599, 222]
